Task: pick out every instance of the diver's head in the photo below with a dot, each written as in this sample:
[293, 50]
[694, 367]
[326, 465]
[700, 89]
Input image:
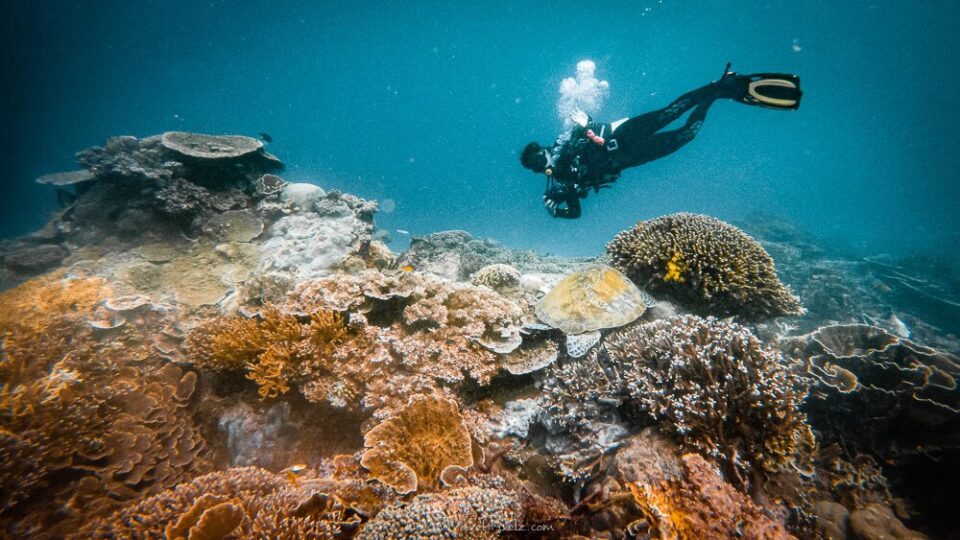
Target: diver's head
[534, 157]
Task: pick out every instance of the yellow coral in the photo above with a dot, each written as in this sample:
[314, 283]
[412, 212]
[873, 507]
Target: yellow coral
[675, 269]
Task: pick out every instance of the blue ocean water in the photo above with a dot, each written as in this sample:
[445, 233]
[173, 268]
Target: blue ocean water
[428, 104]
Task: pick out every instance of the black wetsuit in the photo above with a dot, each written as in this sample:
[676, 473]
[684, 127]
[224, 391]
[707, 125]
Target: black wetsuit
[580, 164]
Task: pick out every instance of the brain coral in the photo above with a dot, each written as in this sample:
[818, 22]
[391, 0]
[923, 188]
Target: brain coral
[704, 263]
[411, 450]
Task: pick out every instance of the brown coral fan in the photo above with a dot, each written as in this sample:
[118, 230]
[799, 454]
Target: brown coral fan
[411, 450]
[702, 506]
[711, 266]
[268, 505]
[717, 387]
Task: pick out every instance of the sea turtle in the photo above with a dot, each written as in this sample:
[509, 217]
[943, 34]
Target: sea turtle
[588, 300]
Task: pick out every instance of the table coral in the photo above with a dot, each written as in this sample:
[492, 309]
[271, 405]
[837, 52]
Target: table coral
[711, 266]
[410, 450]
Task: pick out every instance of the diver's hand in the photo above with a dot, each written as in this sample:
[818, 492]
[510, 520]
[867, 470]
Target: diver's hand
[550, 204]
[579, 117]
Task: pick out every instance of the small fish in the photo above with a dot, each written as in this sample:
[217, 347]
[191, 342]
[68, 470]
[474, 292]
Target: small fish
[407, 268]
[403, 231]
[293, 472]
[265, 137]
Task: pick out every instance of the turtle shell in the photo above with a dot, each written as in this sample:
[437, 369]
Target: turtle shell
[592, 298]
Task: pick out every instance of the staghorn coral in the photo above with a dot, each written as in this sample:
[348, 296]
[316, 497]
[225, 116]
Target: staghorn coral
[410, 450]
[269, 505]
[708, 265]
[702, 506]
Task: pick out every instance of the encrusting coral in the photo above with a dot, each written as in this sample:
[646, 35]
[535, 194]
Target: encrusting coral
[712, 267]
[411, 450]
[701, 506]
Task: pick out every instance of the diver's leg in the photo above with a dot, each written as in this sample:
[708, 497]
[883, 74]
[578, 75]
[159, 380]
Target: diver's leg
[661, 144]
[649, 123]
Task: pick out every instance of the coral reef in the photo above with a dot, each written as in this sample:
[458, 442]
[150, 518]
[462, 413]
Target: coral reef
[409, 451]
[718, 388]
[878, 394]
[706, 264]
[202, 313]
[702, 506]
[243, 502]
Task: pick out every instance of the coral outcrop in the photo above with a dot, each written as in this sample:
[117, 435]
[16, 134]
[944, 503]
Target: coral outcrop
[878, 394]
[709, 266]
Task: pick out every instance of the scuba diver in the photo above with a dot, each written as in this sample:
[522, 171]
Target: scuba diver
[592, 155]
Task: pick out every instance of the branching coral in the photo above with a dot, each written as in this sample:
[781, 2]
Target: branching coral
[412, 449]
[273, 350]
[710, 266]
[717, 387]
[268, 505]
[702, 506]
[712, 384]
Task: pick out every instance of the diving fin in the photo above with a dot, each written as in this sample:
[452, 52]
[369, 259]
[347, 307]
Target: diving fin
[769, 90]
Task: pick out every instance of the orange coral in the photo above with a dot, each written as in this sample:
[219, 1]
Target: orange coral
[272, 349]
[42, 320]
[702, 506]
[413, 448]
